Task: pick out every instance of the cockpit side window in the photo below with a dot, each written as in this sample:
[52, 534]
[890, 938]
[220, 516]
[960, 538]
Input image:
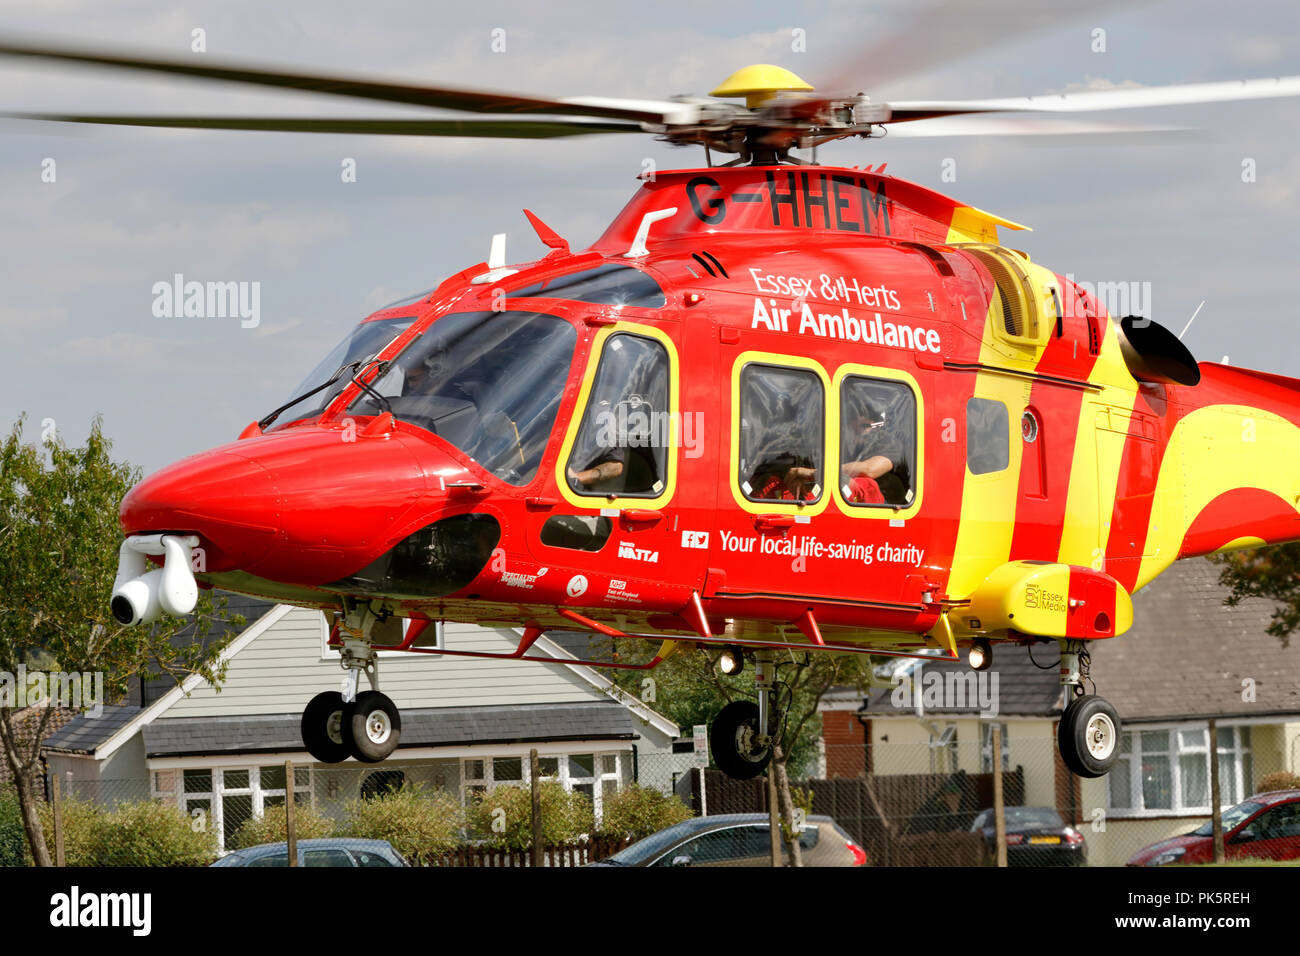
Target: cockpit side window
[622, 445]
[782, 423]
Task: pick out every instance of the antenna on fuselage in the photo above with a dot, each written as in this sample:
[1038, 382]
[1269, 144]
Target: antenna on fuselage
[1191, 320]
[496, 262]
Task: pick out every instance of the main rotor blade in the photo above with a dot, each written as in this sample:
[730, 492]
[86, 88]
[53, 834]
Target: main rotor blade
[472, 101]
[1041, 126]
[927, 35]
[487, 128]
[1096, 100]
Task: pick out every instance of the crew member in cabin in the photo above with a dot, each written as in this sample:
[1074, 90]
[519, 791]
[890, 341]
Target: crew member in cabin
[786, 477]
[876, 472]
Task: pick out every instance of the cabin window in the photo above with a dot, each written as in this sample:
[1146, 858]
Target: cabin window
[610, 284]
[877, 442]
[988, 436]
[622, 444]
[782, 427]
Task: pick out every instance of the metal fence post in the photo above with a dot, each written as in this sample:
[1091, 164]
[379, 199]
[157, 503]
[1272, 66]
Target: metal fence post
[58, 822]
[290, 824]
[771, 817]
[535, 783]
[1216, 809]
[999, 817]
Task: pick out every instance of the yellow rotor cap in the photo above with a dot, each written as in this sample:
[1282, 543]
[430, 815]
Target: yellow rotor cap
[759, 82]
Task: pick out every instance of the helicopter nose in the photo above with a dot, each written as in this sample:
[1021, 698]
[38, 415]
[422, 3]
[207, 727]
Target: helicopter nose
[306, 506]
[229, 500]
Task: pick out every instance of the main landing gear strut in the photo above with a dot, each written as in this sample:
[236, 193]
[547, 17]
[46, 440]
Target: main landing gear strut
[741, 735]
[1088, 733]
[366, 724]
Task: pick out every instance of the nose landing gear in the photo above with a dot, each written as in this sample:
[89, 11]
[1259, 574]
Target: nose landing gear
[366, 725]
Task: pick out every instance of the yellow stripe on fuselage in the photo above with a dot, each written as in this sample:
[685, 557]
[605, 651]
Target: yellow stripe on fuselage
[1214, 450]
[988, 502]
[1094, 470]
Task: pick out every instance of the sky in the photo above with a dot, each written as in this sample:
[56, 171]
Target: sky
[1208, 220]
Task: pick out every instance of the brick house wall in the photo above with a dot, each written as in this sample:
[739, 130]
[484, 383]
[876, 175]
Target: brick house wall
[845, 742]
[26, 722]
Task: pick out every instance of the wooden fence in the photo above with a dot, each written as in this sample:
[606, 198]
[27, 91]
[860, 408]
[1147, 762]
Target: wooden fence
[579, 854]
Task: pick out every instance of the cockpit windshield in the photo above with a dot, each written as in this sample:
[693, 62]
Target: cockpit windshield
[365, 340]
[489, 383]
[610, 284]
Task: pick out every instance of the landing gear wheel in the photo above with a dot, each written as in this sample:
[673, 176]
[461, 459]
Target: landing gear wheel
[322, 728]
[733, 739]
[1088, 736]
[371, 726]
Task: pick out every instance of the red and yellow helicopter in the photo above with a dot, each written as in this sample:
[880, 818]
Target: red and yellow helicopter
[775, 407]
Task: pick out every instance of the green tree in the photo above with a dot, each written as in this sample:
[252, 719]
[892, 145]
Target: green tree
[1269, 573]
[59, 539]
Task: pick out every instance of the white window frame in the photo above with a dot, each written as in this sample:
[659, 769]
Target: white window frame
[596, 780]
[1237, 753]
[176, 796]
[943, 750]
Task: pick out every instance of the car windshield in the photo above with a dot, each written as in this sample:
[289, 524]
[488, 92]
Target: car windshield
[1231, 818]
[365, 340]
[489, 383]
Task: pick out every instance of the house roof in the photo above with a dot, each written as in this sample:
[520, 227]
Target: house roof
[84, 734]
[1188, 655]
[282, 731]
[425, 727]
[250, 608]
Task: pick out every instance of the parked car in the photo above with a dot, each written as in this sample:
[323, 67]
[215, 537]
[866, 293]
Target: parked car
[1036, 836]
[1263, 827]
[737, 839]
[326, 852]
